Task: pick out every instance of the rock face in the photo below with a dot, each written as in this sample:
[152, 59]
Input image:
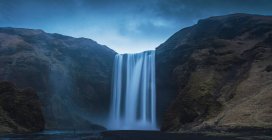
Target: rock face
[217, 74]
[20, 109]
[71, 75]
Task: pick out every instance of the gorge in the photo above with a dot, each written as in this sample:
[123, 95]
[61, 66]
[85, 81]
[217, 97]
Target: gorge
[214, 76]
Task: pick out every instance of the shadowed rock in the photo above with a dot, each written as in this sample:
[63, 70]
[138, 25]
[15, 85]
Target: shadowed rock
[71, 75]
[20, 109]
[216, 75]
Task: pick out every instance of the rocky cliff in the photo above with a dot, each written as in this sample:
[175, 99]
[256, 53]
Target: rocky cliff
[20, 109]
[71, 75]
[217, 75]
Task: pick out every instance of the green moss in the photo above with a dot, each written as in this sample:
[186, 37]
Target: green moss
[201, 84]
[200, 96]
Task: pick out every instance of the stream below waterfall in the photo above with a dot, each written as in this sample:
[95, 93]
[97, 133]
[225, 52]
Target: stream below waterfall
[129, 135]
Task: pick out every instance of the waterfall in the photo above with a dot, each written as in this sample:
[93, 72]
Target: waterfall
[133, 101]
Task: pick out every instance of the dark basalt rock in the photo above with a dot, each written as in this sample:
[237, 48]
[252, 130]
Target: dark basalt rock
[20, 109]
[211, 75]
[268, 68]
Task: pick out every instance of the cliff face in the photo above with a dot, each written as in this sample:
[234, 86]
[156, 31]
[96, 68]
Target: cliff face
[20, 109]
[217, 74]
[71, 75]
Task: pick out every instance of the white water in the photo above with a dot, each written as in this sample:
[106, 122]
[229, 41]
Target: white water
[133, 105]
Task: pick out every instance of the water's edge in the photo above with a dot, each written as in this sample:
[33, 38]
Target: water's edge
[133, 135]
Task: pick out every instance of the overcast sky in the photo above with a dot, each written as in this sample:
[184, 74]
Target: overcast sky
[123, 25]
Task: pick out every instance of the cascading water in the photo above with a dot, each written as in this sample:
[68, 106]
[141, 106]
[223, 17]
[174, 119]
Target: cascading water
[133, 104]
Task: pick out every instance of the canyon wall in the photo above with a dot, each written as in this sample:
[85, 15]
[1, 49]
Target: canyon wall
[20, 109]
[72, 76]
[217, 75]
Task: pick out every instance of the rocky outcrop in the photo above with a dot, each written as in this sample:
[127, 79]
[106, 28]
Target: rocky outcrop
[217, 75]
[72, 76]
[20, 109]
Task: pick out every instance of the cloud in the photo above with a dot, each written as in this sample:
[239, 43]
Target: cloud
[124, 25]
[195, 9]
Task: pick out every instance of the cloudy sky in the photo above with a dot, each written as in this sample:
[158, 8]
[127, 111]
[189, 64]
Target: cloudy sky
[126, 26]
